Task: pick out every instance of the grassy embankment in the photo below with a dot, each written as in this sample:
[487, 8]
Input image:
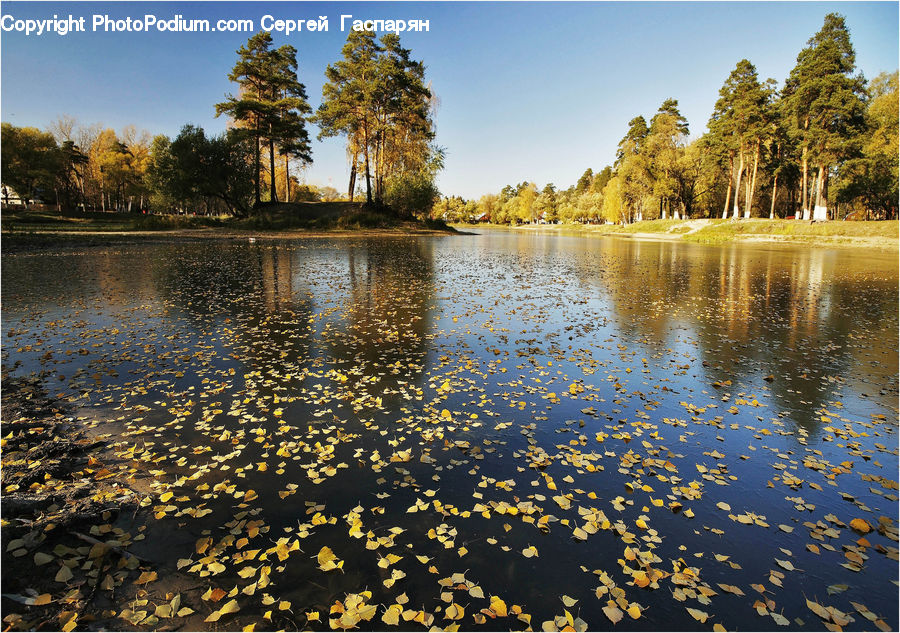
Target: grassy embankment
[36, 227]
[882, 234]
[832, 232]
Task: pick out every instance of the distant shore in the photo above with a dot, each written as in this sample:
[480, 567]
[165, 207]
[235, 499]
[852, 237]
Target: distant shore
[20, 241]
[881, 234]
[35, 230]
[83, 232]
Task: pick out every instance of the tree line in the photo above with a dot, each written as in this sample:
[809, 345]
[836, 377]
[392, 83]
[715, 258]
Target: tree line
[375, 96]
[823, 146]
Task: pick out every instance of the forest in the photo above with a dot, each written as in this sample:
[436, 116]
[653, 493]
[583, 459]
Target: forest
[823, 146]
[375, 97]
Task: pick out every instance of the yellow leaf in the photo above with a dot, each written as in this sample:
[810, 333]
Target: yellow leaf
[391, 617]
[634, 611]
[498, 607]
[325, 555]
[454, 612]
[818, 609]
[697, 614]
[641, 579]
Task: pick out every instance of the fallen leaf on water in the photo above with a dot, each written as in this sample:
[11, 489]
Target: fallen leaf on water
[613, 612]
[229, 607]
[697, 614]
[786, 564]
[818, 609]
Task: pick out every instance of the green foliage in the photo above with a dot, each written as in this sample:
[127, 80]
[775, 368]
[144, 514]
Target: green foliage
[271, 106]
[376, 97]
[30, 160]
[412, 194]
[824, 103]
[194, 170]
[584, 182]
[873, 176]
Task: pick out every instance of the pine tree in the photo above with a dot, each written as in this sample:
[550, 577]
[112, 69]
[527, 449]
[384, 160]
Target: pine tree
[738, 125]
[824, 107]
[270, 105]
[376, 97]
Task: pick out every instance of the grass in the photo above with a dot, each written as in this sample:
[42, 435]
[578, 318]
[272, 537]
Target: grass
[718, 231]
[36, 220]
[38, 227]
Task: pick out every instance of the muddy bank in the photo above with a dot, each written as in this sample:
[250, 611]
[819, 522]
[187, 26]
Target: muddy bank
[65, 564]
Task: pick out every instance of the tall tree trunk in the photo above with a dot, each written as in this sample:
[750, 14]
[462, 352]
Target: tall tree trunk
[257, 163]
[820, 211]
[273, 197]
[377, 175]
[737, 186]
[728, 193]
[774, 193]
[366, 157]
[752, 191]
[352, 186]
[287, 179]
[804, 167]
[83, 196]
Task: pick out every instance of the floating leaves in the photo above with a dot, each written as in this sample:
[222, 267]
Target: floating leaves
[456, 413]
[613, 612]
[697, 614]
[229, 607]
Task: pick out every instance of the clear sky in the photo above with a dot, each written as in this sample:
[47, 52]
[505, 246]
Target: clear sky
[528, 90]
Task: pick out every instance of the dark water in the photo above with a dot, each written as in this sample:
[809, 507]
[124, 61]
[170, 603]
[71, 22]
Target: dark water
[320, 389]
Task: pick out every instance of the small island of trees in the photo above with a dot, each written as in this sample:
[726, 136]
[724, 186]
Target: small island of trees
[375, 96]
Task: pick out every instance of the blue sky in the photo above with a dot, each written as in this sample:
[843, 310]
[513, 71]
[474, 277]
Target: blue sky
[528, 90]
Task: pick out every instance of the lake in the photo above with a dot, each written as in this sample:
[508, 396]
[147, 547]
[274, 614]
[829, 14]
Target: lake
[492, 431]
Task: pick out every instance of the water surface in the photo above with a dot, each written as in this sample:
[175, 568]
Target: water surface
[644, 415]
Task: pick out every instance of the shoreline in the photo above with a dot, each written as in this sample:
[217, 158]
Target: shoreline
[710, 232]
[703, 232]
[32, 241]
